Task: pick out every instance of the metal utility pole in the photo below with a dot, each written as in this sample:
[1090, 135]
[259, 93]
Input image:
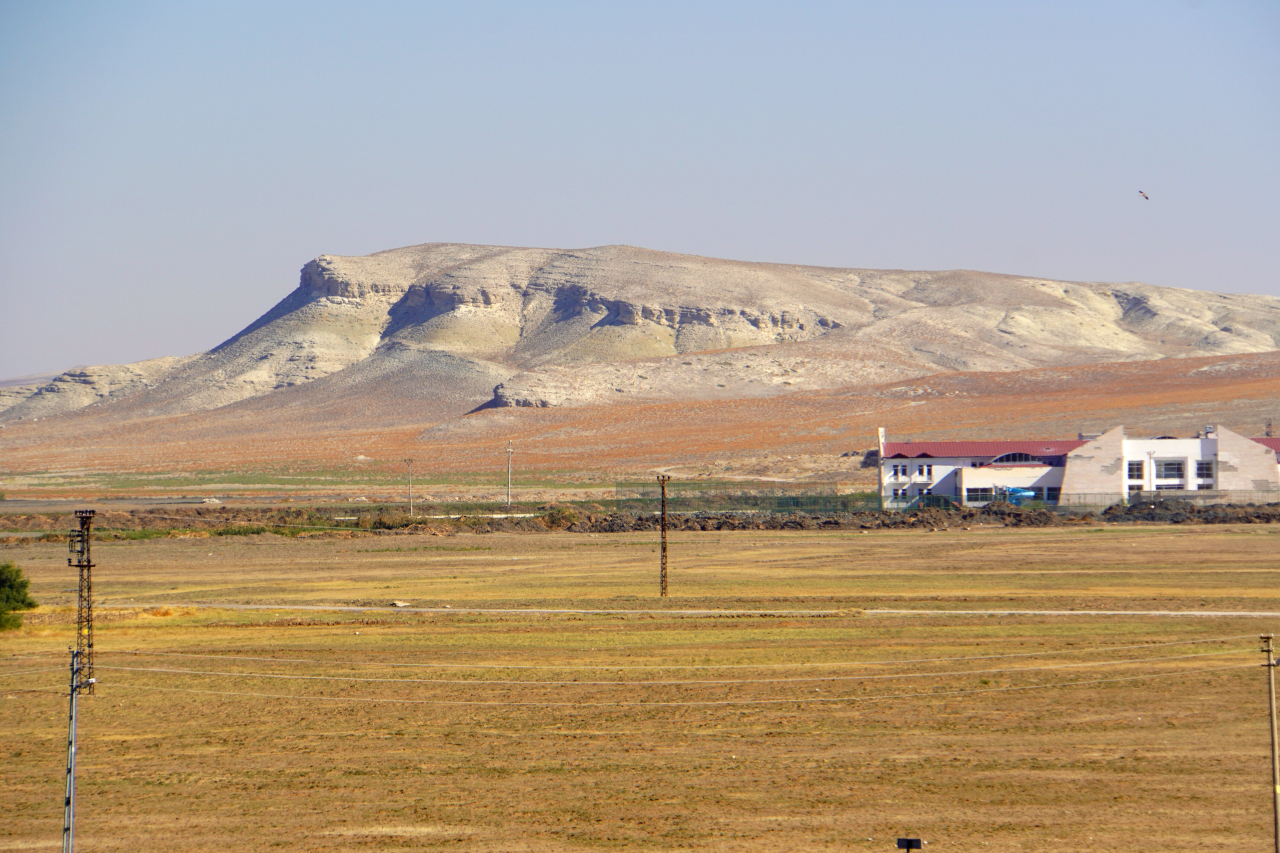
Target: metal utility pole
[78, 545]
[409, 464]
[510, 450]
[1275, 744]
[82, 679]
[662, 576]
[79, 684]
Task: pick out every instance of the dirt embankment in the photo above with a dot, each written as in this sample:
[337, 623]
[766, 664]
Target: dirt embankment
[304, 522]
[927, 519]
[1184, 512]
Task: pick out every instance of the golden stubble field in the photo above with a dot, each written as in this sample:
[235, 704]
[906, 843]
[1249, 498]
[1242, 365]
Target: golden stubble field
[490, 726]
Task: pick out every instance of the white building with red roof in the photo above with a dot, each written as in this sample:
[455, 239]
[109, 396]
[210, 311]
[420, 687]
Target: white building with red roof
[1091, 470]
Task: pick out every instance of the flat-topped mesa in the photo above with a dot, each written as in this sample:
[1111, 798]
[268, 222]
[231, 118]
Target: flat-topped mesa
[342, 278]
[522, 285]
[332, 276]
[440, 325]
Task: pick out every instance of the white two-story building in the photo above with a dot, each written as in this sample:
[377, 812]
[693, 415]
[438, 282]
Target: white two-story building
[1089, 470]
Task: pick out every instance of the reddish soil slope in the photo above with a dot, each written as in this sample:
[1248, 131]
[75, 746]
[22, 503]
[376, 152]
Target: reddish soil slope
[1173, 396]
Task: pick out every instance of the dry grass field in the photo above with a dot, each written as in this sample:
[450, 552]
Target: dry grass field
[484, 728]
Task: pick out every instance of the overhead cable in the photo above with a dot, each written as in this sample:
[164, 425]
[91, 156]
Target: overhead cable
[617, 667]
[685, 704]
[727, 682]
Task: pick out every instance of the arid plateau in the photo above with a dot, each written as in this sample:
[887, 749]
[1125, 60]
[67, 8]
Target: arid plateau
[617, 361]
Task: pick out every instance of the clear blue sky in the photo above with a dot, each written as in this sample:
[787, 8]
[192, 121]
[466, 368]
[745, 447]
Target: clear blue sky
[166, 168]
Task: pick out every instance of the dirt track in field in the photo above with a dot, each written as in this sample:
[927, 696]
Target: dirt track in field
[659, 730]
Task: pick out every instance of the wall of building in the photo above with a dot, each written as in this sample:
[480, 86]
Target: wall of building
[937, 476]
[1152, 451]
[991, 478]
[1245, 465]
[1097, 468]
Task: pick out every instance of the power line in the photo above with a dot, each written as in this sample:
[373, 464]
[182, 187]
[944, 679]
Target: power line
[621, 667]
[31, 671]
[17, 690]
[721, 702]
[726, 682]
[663, 479]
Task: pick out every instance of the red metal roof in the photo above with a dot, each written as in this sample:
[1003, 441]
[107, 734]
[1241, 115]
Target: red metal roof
[969, 449]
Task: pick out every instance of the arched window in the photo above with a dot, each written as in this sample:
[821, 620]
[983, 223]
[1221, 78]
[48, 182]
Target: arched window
[1013, 457]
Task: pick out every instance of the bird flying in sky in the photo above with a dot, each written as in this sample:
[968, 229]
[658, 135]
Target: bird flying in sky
[1144, 195]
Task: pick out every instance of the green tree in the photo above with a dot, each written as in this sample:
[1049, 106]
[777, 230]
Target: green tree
[13, 596]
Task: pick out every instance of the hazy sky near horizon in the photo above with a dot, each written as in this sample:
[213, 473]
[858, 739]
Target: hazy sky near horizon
[167, 168]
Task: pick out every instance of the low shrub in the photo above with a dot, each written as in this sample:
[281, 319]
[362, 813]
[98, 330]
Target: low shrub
[251, 529]
[559, 518]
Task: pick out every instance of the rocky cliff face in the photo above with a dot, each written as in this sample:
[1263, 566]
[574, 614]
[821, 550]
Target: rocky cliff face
[86, 386]
[452, 327]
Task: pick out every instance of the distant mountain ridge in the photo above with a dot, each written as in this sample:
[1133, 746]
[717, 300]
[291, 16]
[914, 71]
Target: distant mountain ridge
[431, 332]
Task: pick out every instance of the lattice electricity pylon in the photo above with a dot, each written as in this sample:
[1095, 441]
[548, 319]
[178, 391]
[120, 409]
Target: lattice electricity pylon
[78, 545]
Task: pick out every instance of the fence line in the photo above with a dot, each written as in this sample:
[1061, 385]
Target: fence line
[824, 498]
[743, 496]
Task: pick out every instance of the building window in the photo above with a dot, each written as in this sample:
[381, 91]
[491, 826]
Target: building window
[900, 493]
[1009, 458]
[1053, 494]
[1037, 493]
[926, 491]
[900, 471]
[979, 495]
[925, 471]
[1204, 469]
[1135, 471]
[1168, 487]
[1170, 469]
[1135, 490]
